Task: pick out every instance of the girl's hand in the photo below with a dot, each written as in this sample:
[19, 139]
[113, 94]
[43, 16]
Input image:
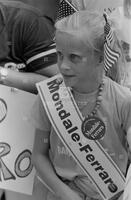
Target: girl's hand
[69, 194]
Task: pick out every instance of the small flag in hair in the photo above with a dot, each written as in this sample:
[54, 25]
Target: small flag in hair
[110, 56]
[108, 33]
[65, 9]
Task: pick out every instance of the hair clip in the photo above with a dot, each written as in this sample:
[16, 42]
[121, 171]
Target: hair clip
[105, 17]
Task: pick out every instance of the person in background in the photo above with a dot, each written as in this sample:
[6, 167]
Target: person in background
[121, 21]
[27, 49]
[98, 5]
[81, 43]
[26, 37]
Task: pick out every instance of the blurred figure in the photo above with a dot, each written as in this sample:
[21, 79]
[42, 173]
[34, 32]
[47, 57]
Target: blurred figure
[121, 21]
[27, 50]
[99, 5]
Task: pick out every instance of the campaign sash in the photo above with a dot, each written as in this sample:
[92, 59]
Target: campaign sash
[89, 154]
[127, 191]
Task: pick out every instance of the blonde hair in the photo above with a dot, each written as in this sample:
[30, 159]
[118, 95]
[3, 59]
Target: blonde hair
[88, 26]
[127, 8]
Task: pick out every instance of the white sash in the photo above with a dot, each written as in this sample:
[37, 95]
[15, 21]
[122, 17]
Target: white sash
[89, 154]
[127, 191]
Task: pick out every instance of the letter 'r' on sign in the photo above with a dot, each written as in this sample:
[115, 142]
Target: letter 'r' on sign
[4, 171]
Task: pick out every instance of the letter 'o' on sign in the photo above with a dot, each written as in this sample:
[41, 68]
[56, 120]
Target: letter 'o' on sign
[3, 110]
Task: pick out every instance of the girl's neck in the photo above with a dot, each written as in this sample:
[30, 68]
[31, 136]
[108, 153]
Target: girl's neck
[92, 85]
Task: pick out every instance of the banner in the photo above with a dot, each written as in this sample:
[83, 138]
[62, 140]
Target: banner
[16, 140]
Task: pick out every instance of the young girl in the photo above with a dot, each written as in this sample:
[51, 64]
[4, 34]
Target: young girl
[90, 96]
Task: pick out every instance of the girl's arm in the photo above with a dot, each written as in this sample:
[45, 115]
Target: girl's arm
[46, 170]
[129, 137]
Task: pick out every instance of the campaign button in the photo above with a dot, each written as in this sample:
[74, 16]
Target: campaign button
[93, 128]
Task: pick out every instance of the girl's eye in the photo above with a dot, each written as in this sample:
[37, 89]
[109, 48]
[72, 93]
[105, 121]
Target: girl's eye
[59, 55]
[75, 58]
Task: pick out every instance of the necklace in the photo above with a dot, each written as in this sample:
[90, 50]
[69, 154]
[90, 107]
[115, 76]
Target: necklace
[98, 100]
[93, 127]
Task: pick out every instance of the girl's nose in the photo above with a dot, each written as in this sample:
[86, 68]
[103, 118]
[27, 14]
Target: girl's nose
[65, 65]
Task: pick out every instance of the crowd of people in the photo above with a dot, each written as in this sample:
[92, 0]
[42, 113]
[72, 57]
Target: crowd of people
[84, 63]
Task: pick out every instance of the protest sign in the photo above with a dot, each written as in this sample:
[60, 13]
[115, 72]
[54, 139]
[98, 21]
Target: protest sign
[16, 140]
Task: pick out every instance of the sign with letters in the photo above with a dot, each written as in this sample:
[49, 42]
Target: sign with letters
[16, 140]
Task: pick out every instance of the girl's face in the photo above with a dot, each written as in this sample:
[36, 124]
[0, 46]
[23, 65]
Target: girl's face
[76, 61]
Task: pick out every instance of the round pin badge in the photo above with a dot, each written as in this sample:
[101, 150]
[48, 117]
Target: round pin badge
[93, 128]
